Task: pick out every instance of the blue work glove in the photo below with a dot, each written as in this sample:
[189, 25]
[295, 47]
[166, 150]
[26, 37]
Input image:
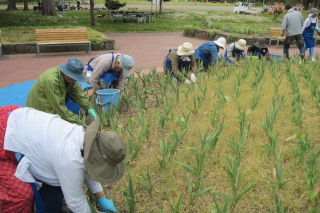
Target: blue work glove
[92, 113]
[318, 31]
[106, 204]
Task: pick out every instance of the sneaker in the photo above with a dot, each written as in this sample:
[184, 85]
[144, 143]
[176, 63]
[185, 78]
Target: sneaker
[302, 56]
[313, 59]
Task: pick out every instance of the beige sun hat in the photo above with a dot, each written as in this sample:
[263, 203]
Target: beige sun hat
[103, 154]
[314, 11]
[221, 42]
[241, 44]
[185, 49]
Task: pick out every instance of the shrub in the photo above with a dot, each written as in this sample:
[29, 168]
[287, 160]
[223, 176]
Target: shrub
[114, 4]
[212, 32]
[189, 30]
[232, 36]
[96, 44]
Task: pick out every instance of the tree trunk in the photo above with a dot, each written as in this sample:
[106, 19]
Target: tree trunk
[25, 5]
[160, 6]
[12, 5]
[305, 4]
[48, 8]
[315, 4]
[93, 22]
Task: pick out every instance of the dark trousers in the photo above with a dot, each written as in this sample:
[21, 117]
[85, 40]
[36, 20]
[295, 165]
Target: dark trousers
[289, 39]
[52, 198]
[205, 64]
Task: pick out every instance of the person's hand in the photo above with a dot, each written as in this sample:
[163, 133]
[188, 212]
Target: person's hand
[187, 81]
[92, 113]
[193, 78]
[106, 204]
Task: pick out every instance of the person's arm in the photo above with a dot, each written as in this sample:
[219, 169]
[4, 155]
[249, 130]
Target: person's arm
[102, 65]
[306, 24]
[78, 96]
[229, 53]
[193, 64]
[251, 49]
[52, 89]
[121, 81]
[284, 24]
[214, 54]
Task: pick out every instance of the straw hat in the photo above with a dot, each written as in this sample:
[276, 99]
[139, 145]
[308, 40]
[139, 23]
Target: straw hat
[261, 43]
[185, 49]
[241, 44]
[103, 154]
[314, 11]
[221, 42]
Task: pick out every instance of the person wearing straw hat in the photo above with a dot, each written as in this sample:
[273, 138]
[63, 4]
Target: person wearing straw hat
[60, 158]
[309, 26]
[235, 51]
[179, 62]
[57, 87]
[207, 53]
[259, 48]
[292, 22]
[108, 70]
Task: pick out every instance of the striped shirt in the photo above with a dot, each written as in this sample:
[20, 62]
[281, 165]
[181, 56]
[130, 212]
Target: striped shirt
[52, 154]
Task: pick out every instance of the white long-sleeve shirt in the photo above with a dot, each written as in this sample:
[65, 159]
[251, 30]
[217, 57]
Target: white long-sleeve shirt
[307, 22]
[52, 154]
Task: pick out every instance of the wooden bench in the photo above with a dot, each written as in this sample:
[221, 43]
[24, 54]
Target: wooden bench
[62, 37]
[0, 46]
[275, 35]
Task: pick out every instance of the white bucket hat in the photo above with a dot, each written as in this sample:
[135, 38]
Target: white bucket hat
[221, 42]
[241, 44]
[185, 49]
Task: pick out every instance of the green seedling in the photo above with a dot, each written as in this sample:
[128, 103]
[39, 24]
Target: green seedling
[216, 208]
[311, 170]
[130, 199]
[133, 150]
[176, 140]
[280, 182]
[147, 184]
[176, 208]
[304, 147]
[164, 147]
[194, 191]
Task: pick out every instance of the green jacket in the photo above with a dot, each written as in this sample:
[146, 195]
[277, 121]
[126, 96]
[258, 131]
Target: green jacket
[49, 92]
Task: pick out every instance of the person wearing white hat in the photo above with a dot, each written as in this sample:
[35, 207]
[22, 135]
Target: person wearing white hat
[309, 26]
[235, 51]
[60, 157]
[259, 48]
[108, 70]
[207, 53]
[180, 62]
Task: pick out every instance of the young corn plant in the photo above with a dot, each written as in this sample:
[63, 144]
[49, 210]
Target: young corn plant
[304, 147]
[311, 170]
[254, 101]
[194, 190]
[164, 148]
[129, 194]
[217, 126]
[175, 88]
[176, 140]
[144, 127]
[133, 150]
[147, 184]
[217, 208]
[279, 208]
[278, 167]
[176, 208]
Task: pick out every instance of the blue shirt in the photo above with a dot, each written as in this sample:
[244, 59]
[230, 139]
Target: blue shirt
[207, 52]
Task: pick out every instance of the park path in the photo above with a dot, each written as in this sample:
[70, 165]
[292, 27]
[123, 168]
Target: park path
[148, 50]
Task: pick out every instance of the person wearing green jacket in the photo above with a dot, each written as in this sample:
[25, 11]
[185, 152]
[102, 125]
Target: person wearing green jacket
[54, 86]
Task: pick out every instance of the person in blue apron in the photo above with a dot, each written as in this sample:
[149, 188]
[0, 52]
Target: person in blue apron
[260, 48]
[309, 26]
[108, 70]
[207, 53]
[235, 51]
[180, 62]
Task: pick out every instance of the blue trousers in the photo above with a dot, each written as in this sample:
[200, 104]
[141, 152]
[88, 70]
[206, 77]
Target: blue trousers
[52, 197]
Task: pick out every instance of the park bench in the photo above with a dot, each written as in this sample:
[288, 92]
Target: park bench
[275, 35]
[62, 37]
[0, 46]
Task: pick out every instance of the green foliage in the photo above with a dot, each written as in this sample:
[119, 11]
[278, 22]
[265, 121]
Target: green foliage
[189, 30]
[212, 32]
[96, 43]
[234, 36]
[114, 4]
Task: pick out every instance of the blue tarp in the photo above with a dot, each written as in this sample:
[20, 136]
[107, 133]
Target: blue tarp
[17, 94]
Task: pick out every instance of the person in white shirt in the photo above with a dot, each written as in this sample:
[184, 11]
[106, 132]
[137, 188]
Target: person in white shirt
[309, 26]
[62, 157]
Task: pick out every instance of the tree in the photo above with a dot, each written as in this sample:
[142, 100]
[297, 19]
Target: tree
[25, 5]
[12, 5]
[161, 4]
[48, 8]
[93, 23]
[114, 4]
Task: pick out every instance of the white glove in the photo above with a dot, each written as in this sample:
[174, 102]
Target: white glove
[187, 81]
[193, 78]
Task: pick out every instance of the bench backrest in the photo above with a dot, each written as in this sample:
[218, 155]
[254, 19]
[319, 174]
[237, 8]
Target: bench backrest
[275, 32]
[61, 34]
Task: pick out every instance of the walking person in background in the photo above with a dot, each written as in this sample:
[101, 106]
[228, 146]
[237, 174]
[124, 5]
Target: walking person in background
[259, 48]
[235, 51]
[292, 22]
[179, 62]
[207, 53]
[309, 26]
[108, 70]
